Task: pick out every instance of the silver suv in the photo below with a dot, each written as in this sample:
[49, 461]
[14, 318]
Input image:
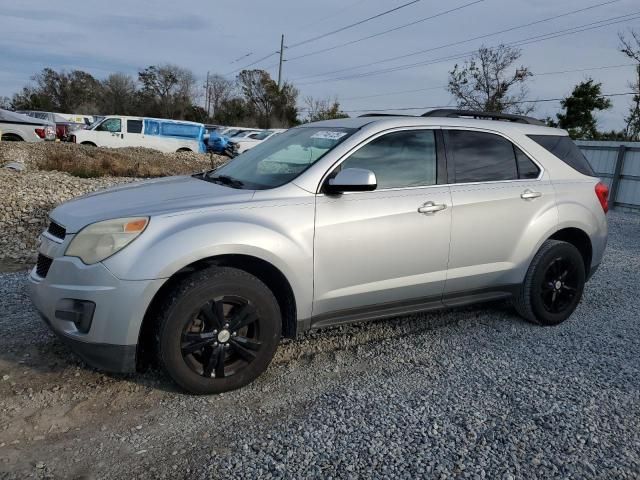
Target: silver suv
[328, 223]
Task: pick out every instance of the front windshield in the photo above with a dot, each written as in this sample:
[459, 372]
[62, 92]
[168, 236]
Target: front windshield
[284, 157]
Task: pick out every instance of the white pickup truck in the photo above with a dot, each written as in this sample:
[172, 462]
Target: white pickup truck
[159, 134]
[16, 127]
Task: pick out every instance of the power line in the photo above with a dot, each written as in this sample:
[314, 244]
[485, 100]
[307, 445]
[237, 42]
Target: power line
[252, 63]
[316, 52]
[315, 22]
[460, 42]
[584, 69]
[526, 41]
[395, 93]
[351, 25]
[539, 100]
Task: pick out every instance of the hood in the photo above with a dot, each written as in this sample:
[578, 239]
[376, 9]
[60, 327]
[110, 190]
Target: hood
[147, 198]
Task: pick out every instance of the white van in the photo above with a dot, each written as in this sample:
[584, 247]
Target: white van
[165, 135]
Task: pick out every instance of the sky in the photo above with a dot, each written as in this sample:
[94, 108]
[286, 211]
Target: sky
[221, 37]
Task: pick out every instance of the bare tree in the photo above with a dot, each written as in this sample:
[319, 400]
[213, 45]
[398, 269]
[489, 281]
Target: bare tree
[323, 109]
[220, 90]
[631, 48]
[118, 97]
[489, 82]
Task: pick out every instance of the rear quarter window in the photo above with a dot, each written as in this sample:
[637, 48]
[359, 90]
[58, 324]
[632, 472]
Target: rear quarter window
[567, 151]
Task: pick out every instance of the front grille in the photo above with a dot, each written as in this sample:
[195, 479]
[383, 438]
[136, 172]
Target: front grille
[43, 265]
[56, 230]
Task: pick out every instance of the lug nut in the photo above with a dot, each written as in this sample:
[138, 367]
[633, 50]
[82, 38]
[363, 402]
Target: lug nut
[215, 331]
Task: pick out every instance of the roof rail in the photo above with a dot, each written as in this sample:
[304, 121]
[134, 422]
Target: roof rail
[384, 115]
[453, 113]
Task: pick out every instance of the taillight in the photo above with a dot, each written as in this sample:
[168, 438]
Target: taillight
[602, 192]
[40, 132]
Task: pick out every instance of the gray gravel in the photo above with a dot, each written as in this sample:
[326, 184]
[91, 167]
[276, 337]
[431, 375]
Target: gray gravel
[466, 393]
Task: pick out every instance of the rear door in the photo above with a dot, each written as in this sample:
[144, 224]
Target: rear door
[498, 194]
[384, 249]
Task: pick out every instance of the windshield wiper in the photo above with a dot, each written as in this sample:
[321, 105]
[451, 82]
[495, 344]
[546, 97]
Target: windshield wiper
[227, 180]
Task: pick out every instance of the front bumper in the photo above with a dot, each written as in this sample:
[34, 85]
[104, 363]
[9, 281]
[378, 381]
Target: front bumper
[111, 340]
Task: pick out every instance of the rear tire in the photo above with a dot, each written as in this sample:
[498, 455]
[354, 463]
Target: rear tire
[11, 137]
[553, 285]
[218, 330]
[88, 144]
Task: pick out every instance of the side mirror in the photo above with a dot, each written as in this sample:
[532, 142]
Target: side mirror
[352, 180]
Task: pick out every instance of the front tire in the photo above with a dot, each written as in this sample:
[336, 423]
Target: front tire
[218, 331]
[553, 285]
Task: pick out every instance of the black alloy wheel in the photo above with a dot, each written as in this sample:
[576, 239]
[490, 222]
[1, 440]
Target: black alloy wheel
[560, 285]
[218, 330]
[222, 338]
[553, 285]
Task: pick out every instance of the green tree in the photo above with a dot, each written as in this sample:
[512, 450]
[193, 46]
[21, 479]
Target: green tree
[489, 81]
[578, 118]
[234, 111]
[167, 91]
[631, 48]
[69, 92]
[272, 106]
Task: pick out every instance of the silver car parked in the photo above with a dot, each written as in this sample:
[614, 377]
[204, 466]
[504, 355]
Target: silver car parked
[327, 223]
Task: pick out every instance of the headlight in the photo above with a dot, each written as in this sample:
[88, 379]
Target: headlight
[100, 240]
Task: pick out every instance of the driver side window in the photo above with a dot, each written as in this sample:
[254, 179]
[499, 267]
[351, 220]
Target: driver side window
[112, 125]
[399, 160]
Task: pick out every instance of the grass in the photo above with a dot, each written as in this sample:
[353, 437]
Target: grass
[92, 162]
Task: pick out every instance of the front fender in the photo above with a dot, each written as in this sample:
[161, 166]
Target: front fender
[282, 236]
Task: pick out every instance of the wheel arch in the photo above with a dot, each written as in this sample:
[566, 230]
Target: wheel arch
[12, 137]
[268, 273]
[579, 239]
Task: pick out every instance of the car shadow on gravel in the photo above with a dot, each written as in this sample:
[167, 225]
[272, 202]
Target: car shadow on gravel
[36, 349]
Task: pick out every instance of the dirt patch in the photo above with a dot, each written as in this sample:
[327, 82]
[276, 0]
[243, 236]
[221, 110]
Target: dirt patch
[90, 162]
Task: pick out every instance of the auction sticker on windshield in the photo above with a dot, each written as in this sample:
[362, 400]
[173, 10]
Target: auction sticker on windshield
[329, 135]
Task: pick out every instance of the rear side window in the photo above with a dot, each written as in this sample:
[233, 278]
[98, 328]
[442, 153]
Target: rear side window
[526, 168]
[134, 126]
[567, 151]
[481, 157]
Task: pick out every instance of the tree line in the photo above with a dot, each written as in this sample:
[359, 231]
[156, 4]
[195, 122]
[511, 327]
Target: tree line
[491, 80]
[252, 99]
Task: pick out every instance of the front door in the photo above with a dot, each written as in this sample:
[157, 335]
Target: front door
[376, 249]
[110, 133]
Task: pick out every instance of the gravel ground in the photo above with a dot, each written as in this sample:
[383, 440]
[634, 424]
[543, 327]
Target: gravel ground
[464, 393]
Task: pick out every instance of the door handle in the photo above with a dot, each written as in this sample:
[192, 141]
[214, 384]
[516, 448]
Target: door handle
[530, 194]
[431, 207]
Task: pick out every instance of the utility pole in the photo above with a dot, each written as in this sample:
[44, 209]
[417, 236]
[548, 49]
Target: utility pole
[207, 98]
[281, 55]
